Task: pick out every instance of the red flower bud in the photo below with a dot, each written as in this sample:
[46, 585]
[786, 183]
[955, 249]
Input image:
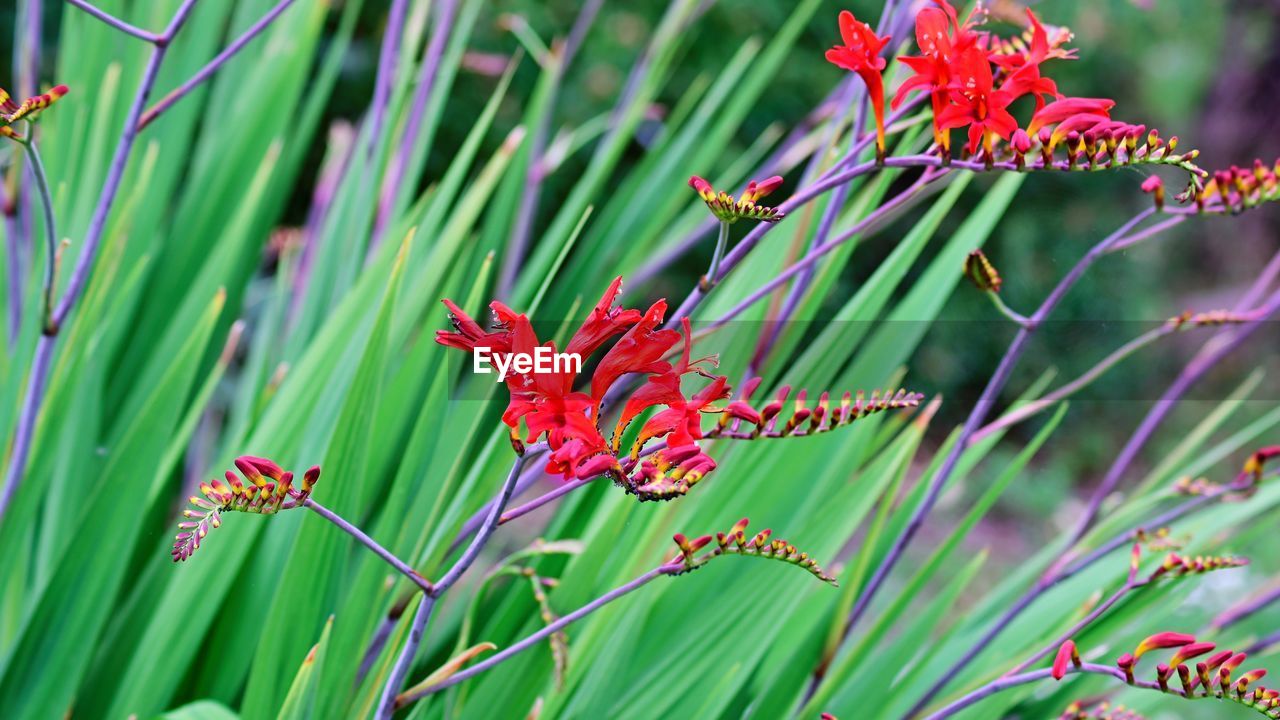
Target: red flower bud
[1162, 640]
[1066, 653]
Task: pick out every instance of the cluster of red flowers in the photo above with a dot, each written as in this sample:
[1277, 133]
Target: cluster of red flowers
[973, 78]
[569, 420]
[269, 490]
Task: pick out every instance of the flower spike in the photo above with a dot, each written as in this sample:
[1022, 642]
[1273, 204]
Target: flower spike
[735, 542]
[256, 496]
[727, 209]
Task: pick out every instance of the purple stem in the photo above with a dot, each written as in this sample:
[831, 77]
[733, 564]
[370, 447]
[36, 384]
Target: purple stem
[1246, 609]
[563, 55]
[50, 226]
[15, 263]
[27, 53]
[417, 113]
[542, 634]
[1088, 619]
[386, 69]
[1013, 681]
[387, 705]
[215, 64]
[388, 702]
[1155, 229]
[817, 253]
[802, 283]
[1196, 369]
[856, 95]
[772, 166]
[835, 180]
[117, 23]
[979, 413]
[93, 238]
[370, 543]
[1063, 569]
[545, 498]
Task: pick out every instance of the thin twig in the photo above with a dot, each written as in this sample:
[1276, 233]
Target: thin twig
[214, 65]
[979, 413]
[370, 543]
[540, 635]
[1013, 681]
[116, 22]
[387, 703]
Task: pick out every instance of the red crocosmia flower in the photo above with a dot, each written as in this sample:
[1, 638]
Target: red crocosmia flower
[861, 54]
[604, 322]
[681, 422]
[468, 335]
[932, 68]
[976, 103]
[640, 350]
[1059, 110]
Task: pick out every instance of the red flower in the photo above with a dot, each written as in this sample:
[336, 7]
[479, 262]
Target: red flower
[976, 103]
[942, 40]
[681, 422]
[640, 350]
[861, 54]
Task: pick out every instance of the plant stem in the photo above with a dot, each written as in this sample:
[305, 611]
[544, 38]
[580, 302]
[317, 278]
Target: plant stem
[1005, 310]
[370, 543]
[387, 704]
[1084, 622]
[1019, 414]
[540, 635]
[40, 364]
[214, 65]
[1196, 369]
[387, 58]
[713, 272]
[563, 54]
[1013, 681]
[430, 66]
[979, 413]
[116, 22]
[863, 226]
[50, 227]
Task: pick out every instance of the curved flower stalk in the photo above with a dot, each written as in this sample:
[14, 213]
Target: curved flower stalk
[1214, 677]
[735, 542]
[728, 211]
[545, 401]
[269, 490]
